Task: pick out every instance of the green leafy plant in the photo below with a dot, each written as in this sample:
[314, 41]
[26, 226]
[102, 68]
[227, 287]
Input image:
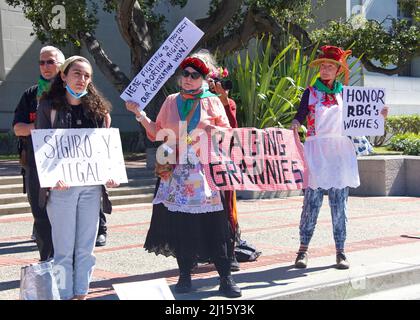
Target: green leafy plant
[268, 89]
[408, 143]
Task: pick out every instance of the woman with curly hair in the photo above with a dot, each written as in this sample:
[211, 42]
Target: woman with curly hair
[73, 102]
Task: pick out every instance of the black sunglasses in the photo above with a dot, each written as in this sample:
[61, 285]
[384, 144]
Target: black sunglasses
[49, 62]
[194, 75]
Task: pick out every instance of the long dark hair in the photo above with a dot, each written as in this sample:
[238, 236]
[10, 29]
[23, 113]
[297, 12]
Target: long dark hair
[94, 103]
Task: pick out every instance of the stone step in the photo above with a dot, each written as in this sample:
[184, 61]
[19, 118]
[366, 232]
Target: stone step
[15, 208]
[9, 198]
[23, 207]
[11, 188]
[5, 180]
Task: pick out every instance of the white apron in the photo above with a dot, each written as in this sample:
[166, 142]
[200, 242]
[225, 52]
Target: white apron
[330, 156]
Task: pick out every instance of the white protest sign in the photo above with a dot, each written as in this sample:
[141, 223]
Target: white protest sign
[156, 289]
[163, 64]
[78, 157]
[362, 111]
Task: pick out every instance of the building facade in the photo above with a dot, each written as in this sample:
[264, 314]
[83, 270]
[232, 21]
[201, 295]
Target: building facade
[19, 55]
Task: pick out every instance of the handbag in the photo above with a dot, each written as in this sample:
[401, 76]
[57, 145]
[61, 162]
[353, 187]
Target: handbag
[362, 146]
[38, 282]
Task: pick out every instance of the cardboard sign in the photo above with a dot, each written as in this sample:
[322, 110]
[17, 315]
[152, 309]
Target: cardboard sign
[255, 159]
[163, 63]
[362, 111]
[78, 157]
[157, 289]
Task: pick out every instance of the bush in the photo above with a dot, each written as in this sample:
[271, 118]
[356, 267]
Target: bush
[409, 143]
[8, 143]
[397, 125]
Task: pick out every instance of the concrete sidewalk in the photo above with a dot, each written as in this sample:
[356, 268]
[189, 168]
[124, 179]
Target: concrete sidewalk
[380, 257]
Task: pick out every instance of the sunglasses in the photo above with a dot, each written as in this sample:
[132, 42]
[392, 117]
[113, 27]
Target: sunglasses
[194, 75]
[48, 62]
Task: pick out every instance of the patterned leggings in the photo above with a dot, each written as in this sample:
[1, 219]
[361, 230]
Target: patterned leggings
[312, 204]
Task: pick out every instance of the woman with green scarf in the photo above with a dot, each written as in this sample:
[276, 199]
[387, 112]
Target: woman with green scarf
[188, 220]
[330, 156]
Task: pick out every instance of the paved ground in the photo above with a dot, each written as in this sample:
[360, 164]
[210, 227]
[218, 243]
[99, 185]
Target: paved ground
[375, 245]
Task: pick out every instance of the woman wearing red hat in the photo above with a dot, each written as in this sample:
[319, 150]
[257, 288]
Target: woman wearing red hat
[330, 156]
[188, 219]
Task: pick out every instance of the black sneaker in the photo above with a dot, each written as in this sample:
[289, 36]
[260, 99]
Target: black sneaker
[229, 288]
[342, 262]
[301, 260]
[184, 284]
[101, 240]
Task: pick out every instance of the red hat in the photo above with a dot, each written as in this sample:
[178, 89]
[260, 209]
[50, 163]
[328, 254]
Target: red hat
[197, 64]
[335, 55]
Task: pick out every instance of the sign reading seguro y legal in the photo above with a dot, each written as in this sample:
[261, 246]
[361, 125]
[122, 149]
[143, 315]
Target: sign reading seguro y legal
[362, 111]
[78, 156]
[255, 159]
[163, 64]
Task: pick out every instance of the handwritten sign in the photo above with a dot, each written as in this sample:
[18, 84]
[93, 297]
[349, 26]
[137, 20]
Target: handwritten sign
[163, 64]
[362, 111]
[78, 156]
[156, 289]
[255, 159]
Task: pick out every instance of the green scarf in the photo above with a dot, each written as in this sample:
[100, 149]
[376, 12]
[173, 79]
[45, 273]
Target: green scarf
[188, 99]
[337, 87]
[43, 86]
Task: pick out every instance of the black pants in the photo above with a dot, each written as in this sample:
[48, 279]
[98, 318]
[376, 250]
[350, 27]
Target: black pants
[102, 223]
[42, 226]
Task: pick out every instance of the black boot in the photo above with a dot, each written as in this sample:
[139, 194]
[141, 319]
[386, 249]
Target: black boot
[229, 288]
[184, 283]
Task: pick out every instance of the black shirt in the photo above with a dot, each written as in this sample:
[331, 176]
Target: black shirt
[79, 118]
[25, 112]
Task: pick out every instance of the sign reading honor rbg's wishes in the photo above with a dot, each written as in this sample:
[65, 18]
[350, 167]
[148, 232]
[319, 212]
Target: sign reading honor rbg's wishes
[163, 64]
[362, 111]
[78, 156]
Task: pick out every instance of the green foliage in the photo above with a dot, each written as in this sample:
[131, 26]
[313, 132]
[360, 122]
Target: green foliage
[408, 143]
[398, 125]
[394, 45]
[8, 143]
[268, 90]
[80, 17]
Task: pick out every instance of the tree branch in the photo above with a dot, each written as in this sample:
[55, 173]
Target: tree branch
[111, 71]
[219, 18]
[372, 68]
[134, 30]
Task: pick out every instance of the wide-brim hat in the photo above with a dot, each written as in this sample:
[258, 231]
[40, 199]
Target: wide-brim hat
[334, 55]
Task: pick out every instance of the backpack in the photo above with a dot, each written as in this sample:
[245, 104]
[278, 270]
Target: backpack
[245, 252]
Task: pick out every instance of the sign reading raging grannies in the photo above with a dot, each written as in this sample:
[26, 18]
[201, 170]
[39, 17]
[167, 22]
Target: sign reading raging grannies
[163, 64]
[78, 157]
[362, 111]
[255, 159]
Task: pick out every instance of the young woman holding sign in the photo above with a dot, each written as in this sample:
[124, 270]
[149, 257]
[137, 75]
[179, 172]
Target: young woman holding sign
[188, 220]
[73, 102]
[330, 156]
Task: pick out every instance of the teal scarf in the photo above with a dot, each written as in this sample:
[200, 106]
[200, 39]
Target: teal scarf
[337, 87]
[188, 98]
[43, 86]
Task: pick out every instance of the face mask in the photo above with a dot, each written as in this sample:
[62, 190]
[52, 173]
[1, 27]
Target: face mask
[205, 86]
[74, 94]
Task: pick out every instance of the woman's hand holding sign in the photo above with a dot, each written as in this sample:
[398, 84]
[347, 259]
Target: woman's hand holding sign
[384, 111]
[112, 184]
[61, 185]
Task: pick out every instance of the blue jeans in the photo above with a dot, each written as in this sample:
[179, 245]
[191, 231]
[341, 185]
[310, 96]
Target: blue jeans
[74, 218]
[312, 204]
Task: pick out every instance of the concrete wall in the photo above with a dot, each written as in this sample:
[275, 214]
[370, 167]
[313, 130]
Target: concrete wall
[388, 176]
[18, 60]
[402, 93]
